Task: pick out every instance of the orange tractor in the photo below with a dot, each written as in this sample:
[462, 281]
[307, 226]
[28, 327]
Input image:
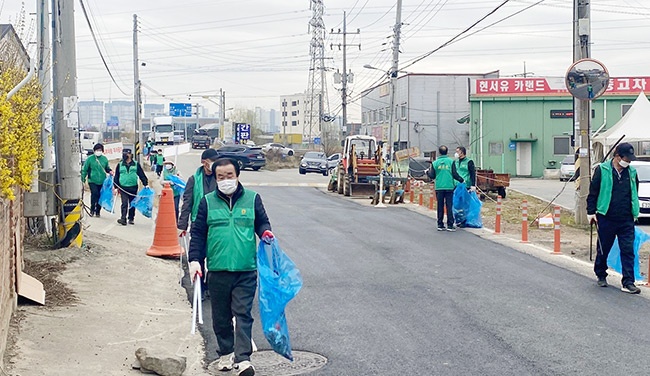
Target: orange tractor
[361, 160]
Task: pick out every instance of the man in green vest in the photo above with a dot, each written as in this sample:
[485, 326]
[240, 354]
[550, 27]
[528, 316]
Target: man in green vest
[95, 169]
[198, 185]
[127, 173]
[443, 171]
[465, 167]
[224, 233]
[160, 159]
[613, 204]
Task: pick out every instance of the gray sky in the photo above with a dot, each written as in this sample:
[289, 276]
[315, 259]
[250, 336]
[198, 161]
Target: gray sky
[257, 50]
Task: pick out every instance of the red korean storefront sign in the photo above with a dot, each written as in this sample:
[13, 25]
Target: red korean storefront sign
[553, 86]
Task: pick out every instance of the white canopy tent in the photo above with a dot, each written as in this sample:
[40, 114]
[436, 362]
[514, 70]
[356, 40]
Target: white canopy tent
[634, 126]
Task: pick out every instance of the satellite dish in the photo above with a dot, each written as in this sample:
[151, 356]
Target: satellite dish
[587, 79]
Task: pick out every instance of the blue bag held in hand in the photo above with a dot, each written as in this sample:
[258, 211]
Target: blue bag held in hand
[106, 198]
[178, 184]
[614, 257]
[467, 207]
[279, 282]
[144, 201]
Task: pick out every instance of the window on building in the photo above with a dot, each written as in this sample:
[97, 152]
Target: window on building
[562, 145]
[374, 116]
[294, 113]
[388, 114]
[284, 113]
[294, 123]
[295, 103]
[364, 117]
[403, 111]
[496, 148]
[284, 123]
[284, 103]
[625, 108]
[381, 115]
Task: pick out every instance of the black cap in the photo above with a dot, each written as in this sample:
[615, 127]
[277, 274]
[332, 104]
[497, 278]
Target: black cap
[98, 147]
[209, 154]
[626, 150]
[126, 151]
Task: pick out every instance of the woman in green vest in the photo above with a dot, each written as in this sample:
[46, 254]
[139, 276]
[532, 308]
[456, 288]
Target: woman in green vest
[127, 173]
[224, 233]
[169, 169]
[613, 204]
[95, 169]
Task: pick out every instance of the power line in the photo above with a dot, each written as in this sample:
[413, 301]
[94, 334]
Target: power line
[101, 55]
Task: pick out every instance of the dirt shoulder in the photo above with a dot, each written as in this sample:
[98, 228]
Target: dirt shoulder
[103, 302]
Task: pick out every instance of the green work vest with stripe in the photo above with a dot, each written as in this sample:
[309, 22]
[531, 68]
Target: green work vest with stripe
[197, 192]
[231, 244]
[128, 177]
[606, 184]
[442, 167]
[462, 168]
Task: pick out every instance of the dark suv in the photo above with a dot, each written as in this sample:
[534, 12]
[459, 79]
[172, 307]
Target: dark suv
[246, 156]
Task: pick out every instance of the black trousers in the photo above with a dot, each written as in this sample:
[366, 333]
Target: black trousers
[95, 190]
[231, 295]
[445, 200]
[608, 230]
[127, 194]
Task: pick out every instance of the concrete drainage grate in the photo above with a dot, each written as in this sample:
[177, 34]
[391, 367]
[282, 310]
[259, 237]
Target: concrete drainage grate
[268, 363]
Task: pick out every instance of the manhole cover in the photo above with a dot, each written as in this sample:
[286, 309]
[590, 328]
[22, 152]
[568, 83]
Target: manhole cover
[268, 363]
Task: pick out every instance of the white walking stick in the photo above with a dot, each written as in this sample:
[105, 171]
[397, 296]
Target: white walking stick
[197, 306]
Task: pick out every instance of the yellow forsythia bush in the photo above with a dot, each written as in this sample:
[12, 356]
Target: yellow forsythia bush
[20, 127]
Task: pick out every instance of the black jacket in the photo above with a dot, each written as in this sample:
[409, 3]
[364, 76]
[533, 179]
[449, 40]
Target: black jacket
[199, 230]
[209, 185]
[140, 172]
[620, 206]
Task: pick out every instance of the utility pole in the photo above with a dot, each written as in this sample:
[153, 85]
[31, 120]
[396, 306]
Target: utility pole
[393, 77]
[582, 50]
[346, 77]
[139, 141]
[44, 78]
[222, 114]
[66, 122]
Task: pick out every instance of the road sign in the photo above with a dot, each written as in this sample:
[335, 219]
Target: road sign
[114, 121]
[180, 109]
[316, 140]
[243, 131]
[512, 146]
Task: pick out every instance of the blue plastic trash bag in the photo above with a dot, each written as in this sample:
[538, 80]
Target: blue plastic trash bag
[279, 282]
[178, 184]
[144, 201]
[106, 198]
[614, 258]
[467, 207]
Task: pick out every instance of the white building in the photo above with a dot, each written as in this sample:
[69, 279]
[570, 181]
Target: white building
[292, 116]
[428, 108]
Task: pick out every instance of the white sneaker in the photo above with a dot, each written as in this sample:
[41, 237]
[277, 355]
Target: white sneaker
[226, 362]
[245, 368]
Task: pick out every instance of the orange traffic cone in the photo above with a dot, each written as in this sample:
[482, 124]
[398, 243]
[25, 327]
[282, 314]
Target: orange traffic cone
[165, 240]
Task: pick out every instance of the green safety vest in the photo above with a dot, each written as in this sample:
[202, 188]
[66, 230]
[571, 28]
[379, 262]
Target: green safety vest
[160, 159]
[462, 168]
[442, 167]
[128, 177]
[231, 244]
[97, 167]
[606, 184]
[197, 192]
[165, 175]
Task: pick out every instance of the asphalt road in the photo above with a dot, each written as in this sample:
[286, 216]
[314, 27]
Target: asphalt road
[384, 294]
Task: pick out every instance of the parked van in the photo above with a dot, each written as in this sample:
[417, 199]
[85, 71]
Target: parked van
[89, 139]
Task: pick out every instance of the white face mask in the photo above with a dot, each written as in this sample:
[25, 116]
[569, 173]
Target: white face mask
[623, 163]
[228, 186]
[98, 153]
[456, 155]
[168, 167]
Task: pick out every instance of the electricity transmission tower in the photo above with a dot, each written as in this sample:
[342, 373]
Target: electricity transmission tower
[316, 103]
